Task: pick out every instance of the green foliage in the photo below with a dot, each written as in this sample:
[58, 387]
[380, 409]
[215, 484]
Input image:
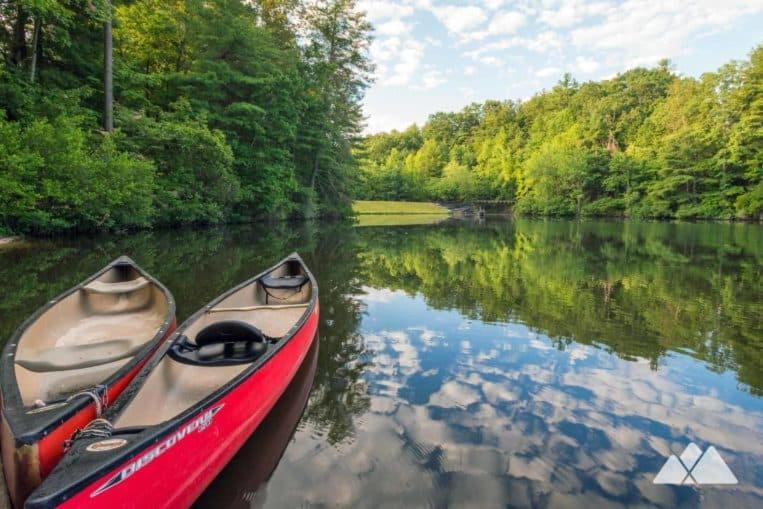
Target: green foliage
[750, 204]
[54, 177]
[222, 112]
[195, 179]
[646, 143]
[553, 178]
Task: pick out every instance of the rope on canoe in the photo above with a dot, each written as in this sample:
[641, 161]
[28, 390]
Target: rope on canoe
[99, 394]
[99, 428]
[282, 299]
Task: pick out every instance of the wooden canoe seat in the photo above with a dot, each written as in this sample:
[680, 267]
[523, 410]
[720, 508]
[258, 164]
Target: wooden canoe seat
[116, 288]
[258, 307]
[64, 358]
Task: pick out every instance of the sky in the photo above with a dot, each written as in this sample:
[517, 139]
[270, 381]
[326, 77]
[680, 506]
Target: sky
[434, 55]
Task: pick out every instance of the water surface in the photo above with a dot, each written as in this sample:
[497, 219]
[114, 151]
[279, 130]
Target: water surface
[506, 364]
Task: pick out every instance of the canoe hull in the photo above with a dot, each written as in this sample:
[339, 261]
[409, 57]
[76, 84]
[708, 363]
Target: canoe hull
[26, 464]
[174, 471]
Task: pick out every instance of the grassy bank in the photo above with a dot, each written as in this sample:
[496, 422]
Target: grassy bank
[398, 207]
[399, 219]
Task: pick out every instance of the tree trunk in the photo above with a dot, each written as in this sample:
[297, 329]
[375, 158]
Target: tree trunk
[35, 49]
[108, 73]
[18, 46]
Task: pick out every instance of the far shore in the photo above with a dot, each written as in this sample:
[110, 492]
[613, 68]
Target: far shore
[8, 240]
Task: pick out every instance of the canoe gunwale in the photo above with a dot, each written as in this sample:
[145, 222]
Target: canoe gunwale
[28, 429]
[151, 435]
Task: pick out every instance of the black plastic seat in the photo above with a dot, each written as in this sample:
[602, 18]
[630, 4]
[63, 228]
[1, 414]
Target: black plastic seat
[228, 331]
[222, 343]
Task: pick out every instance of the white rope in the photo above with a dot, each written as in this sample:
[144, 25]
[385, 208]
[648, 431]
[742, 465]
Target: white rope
[101, 401]
[98, 428]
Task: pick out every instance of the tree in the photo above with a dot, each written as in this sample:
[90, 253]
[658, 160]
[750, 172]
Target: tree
[338, 71]
[228, 103]
[108, 72]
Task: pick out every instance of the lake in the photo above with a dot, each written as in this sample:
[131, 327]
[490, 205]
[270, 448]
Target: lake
[504, 364]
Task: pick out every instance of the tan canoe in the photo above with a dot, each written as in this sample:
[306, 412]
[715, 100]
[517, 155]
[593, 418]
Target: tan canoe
[69, 360]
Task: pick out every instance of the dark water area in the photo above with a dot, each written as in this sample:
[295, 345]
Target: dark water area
[504, 364]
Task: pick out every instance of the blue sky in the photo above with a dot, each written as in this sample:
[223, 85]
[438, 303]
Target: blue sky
[434, 55]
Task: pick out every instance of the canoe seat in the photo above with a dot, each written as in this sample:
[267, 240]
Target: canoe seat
[227, 331]
[116, 288]
[284, 283]
[64, 358]
[222, 343]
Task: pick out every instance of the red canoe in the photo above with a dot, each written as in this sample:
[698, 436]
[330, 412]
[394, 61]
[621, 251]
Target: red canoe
[195, 402]
[70, 359]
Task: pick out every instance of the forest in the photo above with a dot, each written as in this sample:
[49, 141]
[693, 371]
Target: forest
[125, 114]
[645, 143]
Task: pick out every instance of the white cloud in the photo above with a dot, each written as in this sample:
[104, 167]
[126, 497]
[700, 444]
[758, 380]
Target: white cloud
[469, 70]
[494, 4]
[506, 22]
[382, 10]
[547, 71]
[571, 12]
[459, 19]
[545, 42]
[384, 50]
[421, 4]
[501, 23]
[409, 60]
[586, 65]
[393, 27]
[430, 79]
[491, 61]
[653, 29]
[397, 59]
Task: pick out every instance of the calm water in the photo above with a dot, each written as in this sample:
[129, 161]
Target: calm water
[508, 364]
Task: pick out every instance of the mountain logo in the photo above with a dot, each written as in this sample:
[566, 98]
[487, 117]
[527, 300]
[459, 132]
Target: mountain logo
[695, 467]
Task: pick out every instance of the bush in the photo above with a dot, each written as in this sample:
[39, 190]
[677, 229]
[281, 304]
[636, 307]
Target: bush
[195, 182]
[555, 176]
[750, 204]
[54, 178]
[605, 207]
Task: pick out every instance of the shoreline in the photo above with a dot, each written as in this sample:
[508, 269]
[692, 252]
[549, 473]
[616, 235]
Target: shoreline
[350, 219]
